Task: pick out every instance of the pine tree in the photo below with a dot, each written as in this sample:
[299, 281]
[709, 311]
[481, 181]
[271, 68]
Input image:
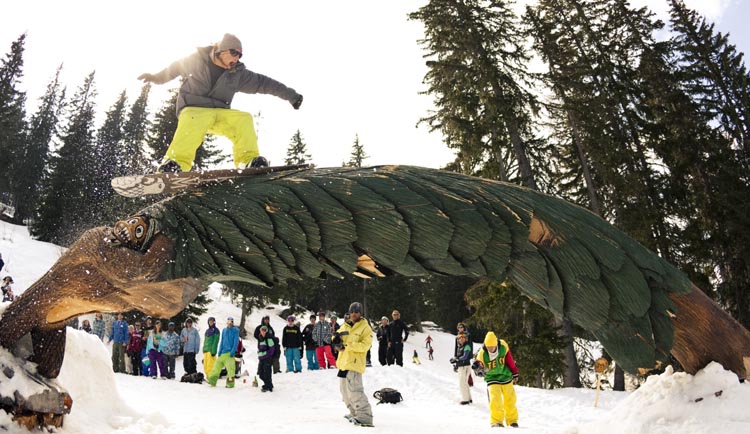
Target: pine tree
[358, 154]
[714, 73]
[62, 215]
[163, 127]
[35, 154]
[110, 142]
[478, 75]
[132, 156]
[502, 309]
[296, 153]
[708, 158]
[12, 114]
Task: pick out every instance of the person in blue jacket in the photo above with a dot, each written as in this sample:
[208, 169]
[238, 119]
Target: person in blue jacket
[230, 337]
[119, 336]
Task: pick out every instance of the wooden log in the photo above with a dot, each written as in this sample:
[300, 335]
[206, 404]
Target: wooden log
[705, 333]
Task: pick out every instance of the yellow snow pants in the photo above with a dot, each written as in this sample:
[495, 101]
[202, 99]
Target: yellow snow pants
[208, 363]
[502, 403]
[195, 122]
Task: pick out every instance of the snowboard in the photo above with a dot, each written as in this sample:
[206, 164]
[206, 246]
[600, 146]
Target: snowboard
[170, 183]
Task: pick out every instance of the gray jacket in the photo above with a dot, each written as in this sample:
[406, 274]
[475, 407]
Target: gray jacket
[191, 340]
[196, 90]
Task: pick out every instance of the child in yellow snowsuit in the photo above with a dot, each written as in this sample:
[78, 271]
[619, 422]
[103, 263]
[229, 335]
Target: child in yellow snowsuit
[500, 374]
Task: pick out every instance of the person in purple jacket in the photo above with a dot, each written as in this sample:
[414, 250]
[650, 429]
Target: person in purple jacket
[265, 359]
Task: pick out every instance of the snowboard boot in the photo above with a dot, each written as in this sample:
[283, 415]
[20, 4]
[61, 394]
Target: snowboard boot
[259, 162]
[169, 166]
[497, 425]
[230, 383]
[514, 425]
[358, 423]
[466, 402]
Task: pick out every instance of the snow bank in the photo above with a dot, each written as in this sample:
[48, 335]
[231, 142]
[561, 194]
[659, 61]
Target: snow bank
[679, 402]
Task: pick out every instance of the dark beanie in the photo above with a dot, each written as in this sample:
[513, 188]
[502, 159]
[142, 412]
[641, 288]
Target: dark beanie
[230, 41]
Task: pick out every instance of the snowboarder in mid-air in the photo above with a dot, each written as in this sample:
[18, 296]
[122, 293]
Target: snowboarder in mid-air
[212, 75]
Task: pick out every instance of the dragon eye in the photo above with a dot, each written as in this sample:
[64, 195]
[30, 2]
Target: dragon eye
[133, 221]
[139, 231]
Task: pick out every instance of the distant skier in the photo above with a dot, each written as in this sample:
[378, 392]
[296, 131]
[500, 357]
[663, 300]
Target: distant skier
[211, 77]
[415, 358]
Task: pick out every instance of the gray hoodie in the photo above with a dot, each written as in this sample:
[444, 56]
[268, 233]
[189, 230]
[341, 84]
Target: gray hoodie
[196, 89]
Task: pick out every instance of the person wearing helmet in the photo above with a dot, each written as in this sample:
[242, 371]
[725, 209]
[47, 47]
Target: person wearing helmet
[291, 340]
[211, 77]
[354, 339]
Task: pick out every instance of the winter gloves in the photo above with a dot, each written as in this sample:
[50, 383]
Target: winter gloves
[297, 102]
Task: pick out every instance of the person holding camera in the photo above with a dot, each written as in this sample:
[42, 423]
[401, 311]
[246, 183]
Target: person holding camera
[353, 340]
[461, 365]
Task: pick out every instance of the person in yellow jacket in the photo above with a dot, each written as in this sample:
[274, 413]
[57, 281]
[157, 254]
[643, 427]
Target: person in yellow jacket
[500, 373]
[353, 340]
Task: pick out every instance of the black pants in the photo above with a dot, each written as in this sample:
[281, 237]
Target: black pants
[383, 353]
[169, 360]
[264, 372]
[396, 353]
[188, 362]
[135, 360]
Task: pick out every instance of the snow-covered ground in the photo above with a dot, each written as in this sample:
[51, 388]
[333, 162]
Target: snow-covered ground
[310, 401]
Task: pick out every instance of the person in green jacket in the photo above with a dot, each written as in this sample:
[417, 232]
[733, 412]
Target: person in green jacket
[211, 77]
[500, 373]
[210, 346]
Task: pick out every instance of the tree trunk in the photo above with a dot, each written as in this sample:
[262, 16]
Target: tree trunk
[594, 205]
[619, 384]
[571, 374]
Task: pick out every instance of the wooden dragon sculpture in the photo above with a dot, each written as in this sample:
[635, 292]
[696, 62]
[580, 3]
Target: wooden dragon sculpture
[380, 221]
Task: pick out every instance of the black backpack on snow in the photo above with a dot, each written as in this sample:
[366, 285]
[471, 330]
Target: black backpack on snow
[387, 395]
[196, 378]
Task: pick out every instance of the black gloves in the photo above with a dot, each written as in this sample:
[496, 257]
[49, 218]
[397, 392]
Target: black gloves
[297, 102]
[453, 360]
[478, 369]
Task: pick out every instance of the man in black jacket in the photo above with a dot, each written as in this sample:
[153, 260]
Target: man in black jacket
[211, 77]
[398, 332]
[291, 340]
